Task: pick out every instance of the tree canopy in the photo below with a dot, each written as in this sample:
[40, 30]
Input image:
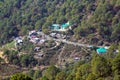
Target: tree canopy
[92, 16]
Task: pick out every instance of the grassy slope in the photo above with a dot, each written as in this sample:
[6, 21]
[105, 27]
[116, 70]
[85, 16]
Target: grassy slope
[10, 45]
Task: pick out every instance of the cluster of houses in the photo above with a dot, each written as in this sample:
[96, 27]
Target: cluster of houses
[34, 38]
[63, 27]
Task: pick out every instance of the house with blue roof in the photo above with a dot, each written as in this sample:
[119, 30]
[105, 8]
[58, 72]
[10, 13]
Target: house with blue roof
[55, 27]
[65, 26]
[101, 50]
[59, 27]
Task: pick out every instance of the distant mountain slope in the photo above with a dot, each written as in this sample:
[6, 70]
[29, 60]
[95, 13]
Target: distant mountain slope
[95, 18]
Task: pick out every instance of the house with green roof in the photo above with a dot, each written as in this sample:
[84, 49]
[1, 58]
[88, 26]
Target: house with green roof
[101, 50]
[59, 27]
[65, 26]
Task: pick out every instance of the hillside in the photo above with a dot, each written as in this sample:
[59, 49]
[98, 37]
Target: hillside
[96, 19]
[60, 39]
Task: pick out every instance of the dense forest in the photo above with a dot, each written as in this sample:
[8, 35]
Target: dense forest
[95, 18]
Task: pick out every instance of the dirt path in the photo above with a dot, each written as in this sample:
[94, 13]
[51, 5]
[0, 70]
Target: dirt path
[3, 57]
[68, 42]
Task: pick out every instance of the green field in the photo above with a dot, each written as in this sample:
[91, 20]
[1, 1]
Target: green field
[10, 45]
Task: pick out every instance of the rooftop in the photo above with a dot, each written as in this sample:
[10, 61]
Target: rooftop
[101, 50]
